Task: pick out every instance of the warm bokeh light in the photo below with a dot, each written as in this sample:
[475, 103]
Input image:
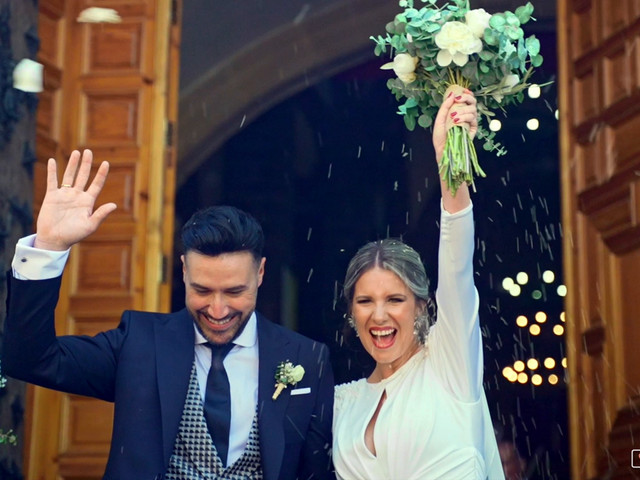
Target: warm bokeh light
[562, 291]
[549, 363]
[564, 362]
[510, 374]
[507, 283]
[534, 90]
[515, 290]
[558, 330]
[562, 317]
[536, 380]
[522, 321]
[532, 363]
[533, 124]
[541, 317]
[495, 125]
[518, 365]
[522, 278]
[548, 276]
[553, 379]
[534, 329]
[523, 377]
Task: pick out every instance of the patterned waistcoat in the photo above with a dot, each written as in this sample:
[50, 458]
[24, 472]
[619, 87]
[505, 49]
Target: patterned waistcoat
[194, 454]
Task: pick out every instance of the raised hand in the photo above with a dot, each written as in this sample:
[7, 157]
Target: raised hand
[67, 213]
[459, 108]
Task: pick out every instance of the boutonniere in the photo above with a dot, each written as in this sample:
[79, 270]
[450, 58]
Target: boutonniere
[287, 374]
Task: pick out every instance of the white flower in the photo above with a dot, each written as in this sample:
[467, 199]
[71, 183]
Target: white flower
[404, 66]
[506, 84]
[297, 373]
[456, 42]
[477, 20]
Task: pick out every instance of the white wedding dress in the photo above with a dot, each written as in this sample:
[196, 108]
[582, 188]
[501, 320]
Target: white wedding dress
[435, 423]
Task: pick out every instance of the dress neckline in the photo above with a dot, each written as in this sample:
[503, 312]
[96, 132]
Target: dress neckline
[402, 371]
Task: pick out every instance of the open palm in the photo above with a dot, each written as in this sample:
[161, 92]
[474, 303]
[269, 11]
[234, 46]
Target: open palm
[67, 214]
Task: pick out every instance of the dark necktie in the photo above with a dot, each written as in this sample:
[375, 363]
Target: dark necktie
[217, 401]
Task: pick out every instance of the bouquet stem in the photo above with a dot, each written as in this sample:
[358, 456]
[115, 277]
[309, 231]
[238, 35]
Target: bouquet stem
[459, 161]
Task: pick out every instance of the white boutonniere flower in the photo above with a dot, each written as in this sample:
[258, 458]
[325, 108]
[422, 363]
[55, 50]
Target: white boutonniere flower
[287, 374]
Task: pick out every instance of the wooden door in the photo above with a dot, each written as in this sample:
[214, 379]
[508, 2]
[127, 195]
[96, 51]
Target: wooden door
[599, 46]
[110, 87]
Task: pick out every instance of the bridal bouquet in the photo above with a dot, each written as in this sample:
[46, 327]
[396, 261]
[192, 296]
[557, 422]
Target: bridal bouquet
[440, 49]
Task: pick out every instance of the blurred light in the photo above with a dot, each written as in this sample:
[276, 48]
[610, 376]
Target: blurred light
[534, 329]
[522, 278]
[562, 290]
[495, 125]
[515, 290]
[553, 379]
[533, 91]
[533, 124]
[532, 363]
[548, 276]
[510, 374]
[562, 317]
[558, 330]
[541, 317]
[549, 363]
[523, 377]
[522, 321]
[518, 365]
[536, 294]
[557, 114]
[507, 283]
[536, 380]
[564, 362]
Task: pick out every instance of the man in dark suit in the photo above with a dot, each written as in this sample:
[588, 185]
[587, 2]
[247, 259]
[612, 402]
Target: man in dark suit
[193, 390]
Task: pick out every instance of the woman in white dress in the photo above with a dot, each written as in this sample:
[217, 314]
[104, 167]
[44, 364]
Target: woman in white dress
[422, 413]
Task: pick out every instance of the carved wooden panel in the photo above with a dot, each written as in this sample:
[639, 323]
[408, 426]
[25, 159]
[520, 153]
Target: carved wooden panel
[111, 88]
[110, 118]
[600, 141]
[115, 47]
[103, 266]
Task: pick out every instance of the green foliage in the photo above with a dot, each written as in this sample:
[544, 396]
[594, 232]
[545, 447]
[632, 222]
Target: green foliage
[490, 74]
[6, 437]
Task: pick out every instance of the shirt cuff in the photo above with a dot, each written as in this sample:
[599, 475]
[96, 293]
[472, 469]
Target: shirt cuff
[30, 263]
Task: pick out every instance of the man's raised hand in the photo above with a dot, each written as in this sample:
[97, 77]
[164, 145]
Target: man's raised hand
[67, 213]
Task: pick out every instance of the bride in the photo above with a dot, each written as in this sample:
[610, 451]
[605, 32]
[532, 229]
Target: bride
[422, 413]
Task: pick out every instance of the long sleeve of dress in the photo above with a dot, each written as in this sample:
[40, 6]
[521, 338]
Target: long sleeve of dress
[455, 341]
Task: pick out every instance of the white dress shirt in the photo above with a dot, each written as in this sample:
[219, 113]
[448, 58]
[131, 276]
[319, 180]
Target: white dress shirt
[241, 363]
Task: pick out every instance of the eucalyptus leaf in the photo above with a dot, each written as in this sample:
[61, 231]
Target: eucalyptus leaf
[425, 121]
[533, 46]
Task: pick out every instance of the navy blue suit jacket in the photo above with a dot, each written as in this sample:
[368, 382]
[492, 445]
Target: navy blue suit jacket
[143, 366]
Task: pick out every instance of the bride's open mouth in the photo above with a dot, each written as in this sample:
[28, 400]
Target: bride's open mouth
[383, 337]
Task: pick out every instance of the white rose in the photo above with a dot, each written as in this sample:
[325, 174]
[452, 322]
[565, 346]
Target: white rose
[404, 66]
[507, 83]
[511, 81]
[297, 373]
[456, 42]
[477, 20]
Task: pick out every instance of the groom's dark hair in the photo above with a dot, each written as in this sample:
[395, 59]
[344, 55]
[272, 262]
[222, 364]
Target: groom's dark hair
[223, 229]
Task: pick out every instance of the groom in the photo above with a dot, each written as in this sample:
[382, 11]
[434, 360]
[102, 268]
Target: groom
[193, 390]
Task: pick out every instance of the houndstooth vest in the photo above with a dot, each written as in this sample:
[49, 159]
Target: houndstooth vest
[194, 454]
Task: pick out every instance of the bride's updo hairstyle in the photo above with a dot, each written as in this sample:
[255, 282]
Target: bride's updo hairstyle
[399, 258]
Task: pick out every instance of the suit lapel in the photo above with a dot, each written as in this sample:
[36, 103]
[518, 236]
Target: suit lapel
[273, 349]
[175, 340]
